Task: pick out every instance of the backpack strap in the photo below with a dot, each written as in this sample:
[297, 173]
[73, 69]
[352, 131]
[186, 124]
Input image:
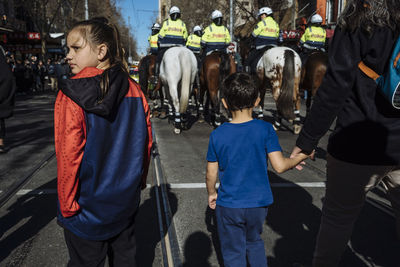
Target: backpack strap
[368, 71]
[396, 60]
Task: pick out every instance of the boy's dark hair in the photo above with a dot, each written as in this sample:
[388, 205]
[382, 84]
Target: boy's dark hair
[240, 91]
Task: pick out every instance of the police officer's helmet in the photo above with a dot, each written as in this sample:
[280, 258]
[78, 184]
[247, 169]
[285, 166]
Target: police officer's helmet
[197, 30]
[175, 13]
[265, 10]
[155, 28]
[316, 19]
[216, 17]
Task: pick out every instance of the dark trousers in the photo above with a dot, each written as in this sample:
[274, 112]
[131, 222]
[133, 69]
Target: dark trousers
[160, 54]
[239, 232]
[121, 250]
[2, 128]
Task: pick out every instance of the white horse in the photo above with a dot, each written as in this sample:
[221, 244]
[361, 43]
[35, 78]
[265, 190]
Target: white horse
[177, 73]
[281, 66]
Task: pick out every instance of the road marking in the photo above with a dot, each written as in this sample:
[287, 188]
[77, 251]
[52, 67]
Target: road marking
[203, 185]
[174, 186]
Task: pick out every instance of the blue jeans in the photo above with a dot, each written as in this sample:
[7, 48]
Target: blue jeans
[239, 232]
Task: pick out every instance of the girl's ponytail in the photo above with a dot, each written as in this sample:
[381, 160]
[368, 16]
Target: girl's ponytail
[98, 31]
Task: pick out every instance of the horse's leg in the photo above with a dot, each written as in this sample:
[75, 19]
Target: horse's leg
[297, 103]
[260, 111]
[174, 96]
[214, 97]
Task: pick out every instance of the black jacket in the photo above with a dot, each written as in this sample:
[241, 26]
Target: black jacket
[7, 88]
[367, 127]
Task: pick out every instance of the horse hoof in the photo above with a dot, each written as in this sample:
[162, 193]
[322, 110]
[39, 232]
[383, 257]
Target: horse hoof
[156, 114]
[297, 129]
[177, 131]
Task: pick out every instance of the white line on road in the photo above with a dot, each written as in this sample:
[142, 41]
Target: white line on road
[203, 185]
[174, 186]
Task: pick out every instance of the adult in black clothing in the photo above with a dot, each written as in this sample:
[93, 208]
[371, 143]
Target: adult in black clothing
[364, 148]
[7, 93]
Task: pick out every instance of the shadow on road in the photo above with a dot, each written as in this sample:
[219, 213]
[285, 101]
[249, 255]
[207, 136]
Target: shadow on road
[29, 214]
[211, 222]
[197, 250]
[147, 228]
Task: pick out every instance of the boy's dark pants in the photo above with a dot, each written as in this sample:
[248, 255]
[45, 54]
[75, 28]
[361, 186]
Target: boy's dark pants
[239, 233]
[121, 250]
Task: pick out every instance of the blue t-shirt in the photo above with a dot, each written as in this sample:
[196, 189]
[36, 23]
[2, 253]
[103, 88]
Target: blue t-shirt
[241, 152]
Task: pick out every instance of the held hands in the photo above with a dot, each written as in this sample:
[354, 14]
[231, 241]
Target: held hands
[212, 200]
[297, 152]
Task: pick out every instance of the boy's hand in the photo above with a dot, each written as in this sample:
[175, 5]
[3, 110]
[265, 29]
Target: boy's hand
[212, 200]
[297, 152]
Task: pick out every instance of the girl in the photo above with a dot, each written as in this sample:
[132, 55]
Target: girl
[103, 141]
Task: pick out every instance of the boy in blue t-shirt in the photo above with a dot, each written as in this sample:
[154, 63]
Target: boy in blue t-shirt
[238, 152]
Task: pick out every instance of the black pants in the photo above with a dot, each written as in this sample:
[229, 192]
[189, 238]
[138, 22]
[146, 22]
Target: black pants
[121, 250]
[253, 57]
[2, 128]
[160, 55]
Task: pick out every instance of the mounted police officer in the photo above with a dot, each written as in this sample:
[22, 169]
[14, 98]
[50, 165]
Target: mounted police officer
[216, 36]
[313, 38]
[265, 36]
[173, 33]
[153, 39]
[194, 40]
[193, 43]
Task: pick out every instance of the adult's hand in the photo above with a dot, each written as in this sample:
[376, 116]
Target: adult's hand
[296, 150]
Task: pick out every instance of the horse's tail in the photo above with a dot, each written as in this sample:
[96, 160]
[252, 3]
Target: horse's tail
[284, 104]
[185, 81]
[225, 66]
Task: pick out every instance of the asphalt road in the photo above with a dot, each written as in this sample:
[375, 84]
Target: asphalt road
[30, 236]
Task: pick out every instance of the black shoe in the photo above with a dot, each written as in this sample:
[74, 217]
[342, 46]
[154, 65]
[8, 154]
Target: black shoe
[2, 149]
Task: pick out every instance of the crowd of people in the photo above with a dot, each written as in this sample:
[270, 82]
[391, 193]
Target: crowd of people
[36, 75]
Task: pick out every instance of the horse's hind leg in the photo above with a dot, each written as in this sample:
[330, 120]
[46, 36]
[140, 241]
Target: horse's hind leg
[297, 119]
[215, 108]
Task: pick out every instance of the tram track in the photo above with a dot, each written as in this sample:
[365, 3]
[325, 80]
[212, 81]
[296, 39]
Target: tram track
[169, 241]
[16, 186]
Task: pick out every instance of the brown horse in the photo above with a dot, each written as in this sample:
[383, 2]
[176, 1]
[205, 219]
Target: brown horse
[215, 68]
[147, 83]
[312, 74]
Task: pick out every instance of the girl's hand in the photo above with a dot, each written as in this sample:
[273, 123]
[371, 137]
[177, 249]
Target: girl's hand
[212, 200]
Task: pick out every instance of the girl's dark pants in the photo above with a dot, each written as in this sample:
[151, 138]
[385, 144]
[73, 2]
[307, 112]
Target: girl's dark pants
[239, 232]
[120, 249]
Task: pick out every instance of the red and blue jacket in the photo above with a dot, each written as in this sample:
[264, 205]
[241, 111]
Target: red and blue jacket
[103, 153]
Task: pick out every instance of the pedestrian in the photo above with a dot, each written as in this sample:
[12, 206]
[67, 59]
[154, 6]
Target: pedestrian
[7, 96]
[42, 71]
[367, 32]
[103, 141]
[237, 154]
[28, 76]
[51, 71]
